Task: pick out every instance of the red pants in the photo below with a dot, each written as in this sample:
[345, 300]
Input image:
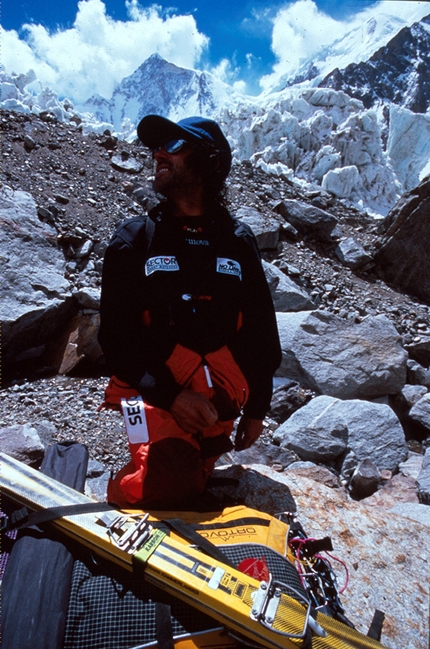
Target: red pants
[169, 467]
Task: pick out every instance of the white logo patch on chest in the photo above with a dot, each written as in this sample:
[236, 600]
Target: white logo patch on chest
[228, 267]
[161, 263]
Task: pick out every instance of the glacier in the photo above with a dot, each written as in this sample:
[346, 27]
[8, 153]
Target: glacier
[320, 138]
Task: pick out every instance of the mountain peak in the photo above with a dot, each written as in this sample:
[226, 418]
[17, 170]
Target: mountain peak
[397, 72]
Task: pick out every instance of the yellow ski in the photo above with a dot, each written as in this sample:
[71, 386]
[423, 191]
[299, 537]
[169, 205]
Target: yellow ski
[268, 613]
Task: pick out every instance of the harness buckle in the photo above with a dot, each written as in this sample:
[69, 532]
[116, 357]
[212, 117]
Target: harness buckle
[4, 522]
[266, 600]
[128, 536]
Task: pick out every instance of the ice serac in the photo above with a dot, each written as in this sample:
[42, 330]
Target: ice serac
[408, 146]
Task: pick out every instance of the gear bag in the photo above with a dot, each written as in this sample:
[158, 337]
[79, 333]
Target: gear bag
[110, 609]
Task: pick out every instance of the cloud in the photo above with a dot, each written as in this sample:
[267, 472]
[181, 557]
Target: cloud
[97, 52]
[301, 30]
[226, 72]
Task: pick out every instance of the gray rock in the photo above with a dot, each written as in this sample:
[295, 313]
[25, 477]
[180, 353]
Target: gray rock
[260, 453]
[420, 351]
[403, 257]
[415, 511]
[95, 469]
[88, 298]
[99, 248]
[96, 487]
[307, 219]
[365, 479]
[340, 358]
[83, 250]
[254, 489]
[326, 428]
[413, 393]
[420, 412]
[423, 480]
[124, 162]
[312, 435]
[417, 374]
[46, 431]
[22, 442]
[315, 472]
[60, 198]
[29, 143]
[287, 399]
[34, 305]
[412, 466]
[266, 229]
[352, 254]
[286, 294]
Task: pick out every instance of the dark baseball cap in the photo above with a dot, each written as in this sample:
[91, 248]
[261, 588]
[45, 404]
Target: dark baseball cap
[154, 131]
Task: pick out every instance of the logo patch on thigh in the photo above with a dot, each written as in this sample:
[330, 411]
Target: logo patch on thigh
[133, 410]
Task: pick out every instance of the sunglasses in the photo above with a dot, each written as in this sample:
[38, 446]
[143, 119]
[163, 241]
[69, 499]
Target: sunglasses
[172, 146]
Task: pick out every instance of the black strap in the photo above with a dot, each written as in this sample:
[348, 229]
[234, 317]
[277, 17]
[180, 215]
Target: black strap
[163, 626]
[149, 231]
[375, 628]
[203, 544]
[22, 518]
[311, 547]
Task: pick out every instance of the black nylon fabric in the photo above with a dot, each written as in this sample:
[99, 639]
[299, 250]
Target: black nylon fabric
[111, 609]
[36, 584]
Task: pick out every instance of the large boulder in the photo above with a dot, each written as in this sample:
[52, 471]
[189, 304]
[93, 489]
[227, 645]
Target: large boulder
[329, 430]
[404, 256]
[420, 412]
[340, 358]
[35, 298]
[352, 254]
[307, 219]
[286, 294]
[27, 442]
[265, 228]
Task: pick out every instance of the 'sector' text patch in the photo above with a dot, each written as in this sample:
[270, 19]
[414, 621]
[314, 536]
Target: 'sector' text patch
[161, 263]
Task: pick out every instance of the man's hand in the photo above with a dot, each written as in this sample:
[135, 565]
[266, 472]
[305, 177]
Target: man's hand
[193, 412]
[248, 431]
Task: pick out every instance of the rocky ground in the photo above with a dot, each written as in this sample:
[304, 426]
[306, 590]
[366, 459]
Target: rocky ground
[87, 184]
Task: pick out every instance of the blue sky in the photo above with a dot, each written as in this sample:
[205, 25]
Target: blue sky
[83, 47]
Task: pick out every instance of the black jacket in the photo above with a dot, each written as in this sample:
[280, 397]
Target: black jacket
[193, 280]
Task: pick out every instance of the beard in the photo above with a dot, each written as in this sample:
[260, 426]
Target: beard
[171, 178]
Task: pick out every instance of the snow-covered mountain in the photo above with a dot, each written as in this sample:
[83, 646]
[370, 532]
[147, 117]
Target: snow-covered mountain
[158, 86]
[364, 136]
[398, 72]
[357, 45]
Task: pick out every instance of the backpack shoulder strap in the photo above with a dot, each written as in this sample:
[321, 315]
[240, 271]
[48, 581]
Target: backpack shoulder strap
[244, 231]
[149, 231]
[136, 233]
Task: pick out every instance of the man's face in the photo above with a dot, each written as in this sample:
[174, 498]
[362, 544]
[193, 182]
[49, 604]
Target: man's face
[173, 174]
